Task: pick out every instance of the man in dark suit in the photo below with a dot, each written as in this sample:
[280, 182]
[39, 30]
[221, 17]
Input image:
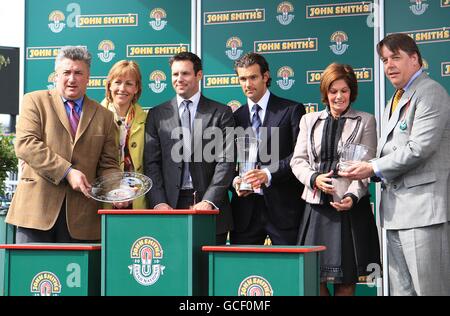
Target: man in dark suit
[275, 208]
[184, 178]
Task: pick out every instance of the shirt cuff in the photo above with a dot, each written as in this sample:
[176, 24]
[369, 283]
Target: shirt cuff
[376, 170]
[67, 172]
[269, 177]
[214, 205]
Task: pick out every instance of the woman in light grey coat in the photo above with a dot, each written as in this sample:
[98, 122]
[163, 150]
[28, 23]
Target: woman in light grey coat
[338, 212]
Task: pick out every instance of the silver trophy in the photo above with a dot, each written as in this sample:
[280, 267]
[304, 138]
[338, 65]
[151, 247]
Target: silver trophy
[351, 153]
[120, 187]
[247, 153]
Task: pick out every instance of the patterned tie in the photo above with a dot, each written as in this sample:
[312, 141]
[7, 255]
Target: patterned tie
[256, 120]
[74, 118]
[186, 125]
[397, 97]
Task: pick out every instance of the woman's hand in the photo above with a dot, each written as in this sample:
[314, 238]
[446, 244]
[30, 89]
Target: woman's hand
[344, 205]
[323, 183]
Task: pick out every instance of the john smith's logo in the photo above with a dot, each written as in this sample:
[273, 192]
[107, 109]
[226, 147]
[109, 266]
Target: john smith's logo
[56, 19]
[51, 81]
[418, 7]
[146, 254]
[45, 284]
[234, 43]
[255, 285]
[106, 47]
[339, 38]
[285, 73]
[157, 79]
[234, 105]
[158, 14]
[285, 8]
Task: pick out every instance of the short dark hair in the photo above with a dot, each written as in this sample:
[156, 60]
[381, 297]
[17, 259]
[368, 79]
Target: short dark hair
[335, 72]
[251, 59]
[196, 61]
[396, 41]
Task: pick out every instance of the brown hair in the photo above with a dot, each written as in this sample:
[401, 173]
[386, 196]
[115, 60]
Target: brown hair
[399, 41]
[250, 59]
[335, 72]
[122, 68]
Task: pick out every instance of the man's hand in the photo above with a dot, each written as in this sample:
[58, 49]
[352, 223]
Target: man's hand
[78, 181]
[203, 206]
[256, 178]
[358, 171]
[344, 205]
[121, 205]
[162, 207]
[236, 184]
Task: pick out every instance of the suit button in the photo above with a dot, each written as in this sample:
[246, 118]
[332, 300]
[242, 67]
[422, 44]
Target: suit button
[134, 145]
[394, 186]
[394, 148]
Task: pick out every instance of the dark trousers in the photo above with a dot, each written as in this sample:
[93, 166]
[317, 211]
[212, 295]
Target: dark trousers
[58, 233]
[260, 227]
[186, 201]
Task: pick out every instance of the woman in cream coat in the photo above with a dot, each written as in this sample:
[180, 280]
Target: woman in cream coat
[338, 212]
[123, 89]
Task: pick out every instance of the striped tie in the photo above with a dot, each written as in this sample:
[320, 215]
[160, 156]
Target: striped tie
[74, 118]
[397, 97]
[256, 120]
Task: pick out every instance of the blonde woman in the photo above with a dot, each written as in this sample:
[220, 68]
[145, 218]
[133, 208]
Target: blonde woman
[123, 89]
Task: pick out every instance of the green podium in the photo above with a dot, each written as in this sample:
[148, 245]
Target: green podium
[263, 270]
[52, 269]
[149, 252]
[6, 237]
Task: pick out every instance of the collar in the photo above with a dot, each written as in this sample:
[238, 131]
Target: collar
[78, 102]
[263, 102]
[417, 74]
[194, 99]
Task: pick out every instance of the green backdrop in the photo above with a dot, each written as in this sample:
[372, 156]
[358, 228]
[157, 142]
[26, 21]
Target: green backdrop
[112, 30]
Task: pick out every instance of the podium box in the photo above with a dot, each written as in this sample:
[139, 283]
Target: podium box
[263, 270]
[52, 269]
[6, 237]
[149, 252]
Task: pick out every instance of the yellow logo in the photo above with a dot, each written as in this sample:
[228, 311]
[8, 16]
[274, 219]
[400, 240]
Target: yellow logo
[339, 38]
[107, 51]
[238, 16]
[234, 105]
[285, 8]
[157, 79]
[286, 46]
[158, 14]
[51, 81]
[220, 81]
[234, 43]
[146, 254]
[285, 73]
[311, 107]
[56, 19]
[255, 285]
[155, 50]
[45, 284]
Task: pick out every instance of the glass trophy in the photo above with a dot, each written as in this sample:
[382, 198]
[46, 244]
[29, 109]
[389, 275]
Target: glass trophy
[351, 153]
[247, 153]
[120, 187]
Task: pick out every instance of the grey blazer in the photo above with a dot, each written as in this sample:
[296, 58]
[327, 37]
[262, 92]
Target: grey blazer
[211, 179]
[414, 162]
[360, 128]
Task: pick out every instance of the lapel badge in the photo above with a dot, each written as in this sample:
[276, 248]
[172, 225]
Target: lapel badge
[403, 125]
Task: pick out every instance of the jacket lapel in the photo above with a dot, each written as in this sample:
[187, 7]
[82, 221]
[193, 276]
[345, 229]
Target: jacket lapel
[60, 110]
[87, 114]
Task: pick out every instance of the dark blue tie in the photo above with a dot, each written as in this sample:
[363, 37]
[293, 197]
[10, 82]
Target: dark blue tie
[256, 120]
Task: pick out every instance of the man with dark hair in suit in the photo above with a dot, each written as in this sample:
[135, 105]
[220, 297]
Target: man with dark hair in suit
[275, 208]
[185, 180]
